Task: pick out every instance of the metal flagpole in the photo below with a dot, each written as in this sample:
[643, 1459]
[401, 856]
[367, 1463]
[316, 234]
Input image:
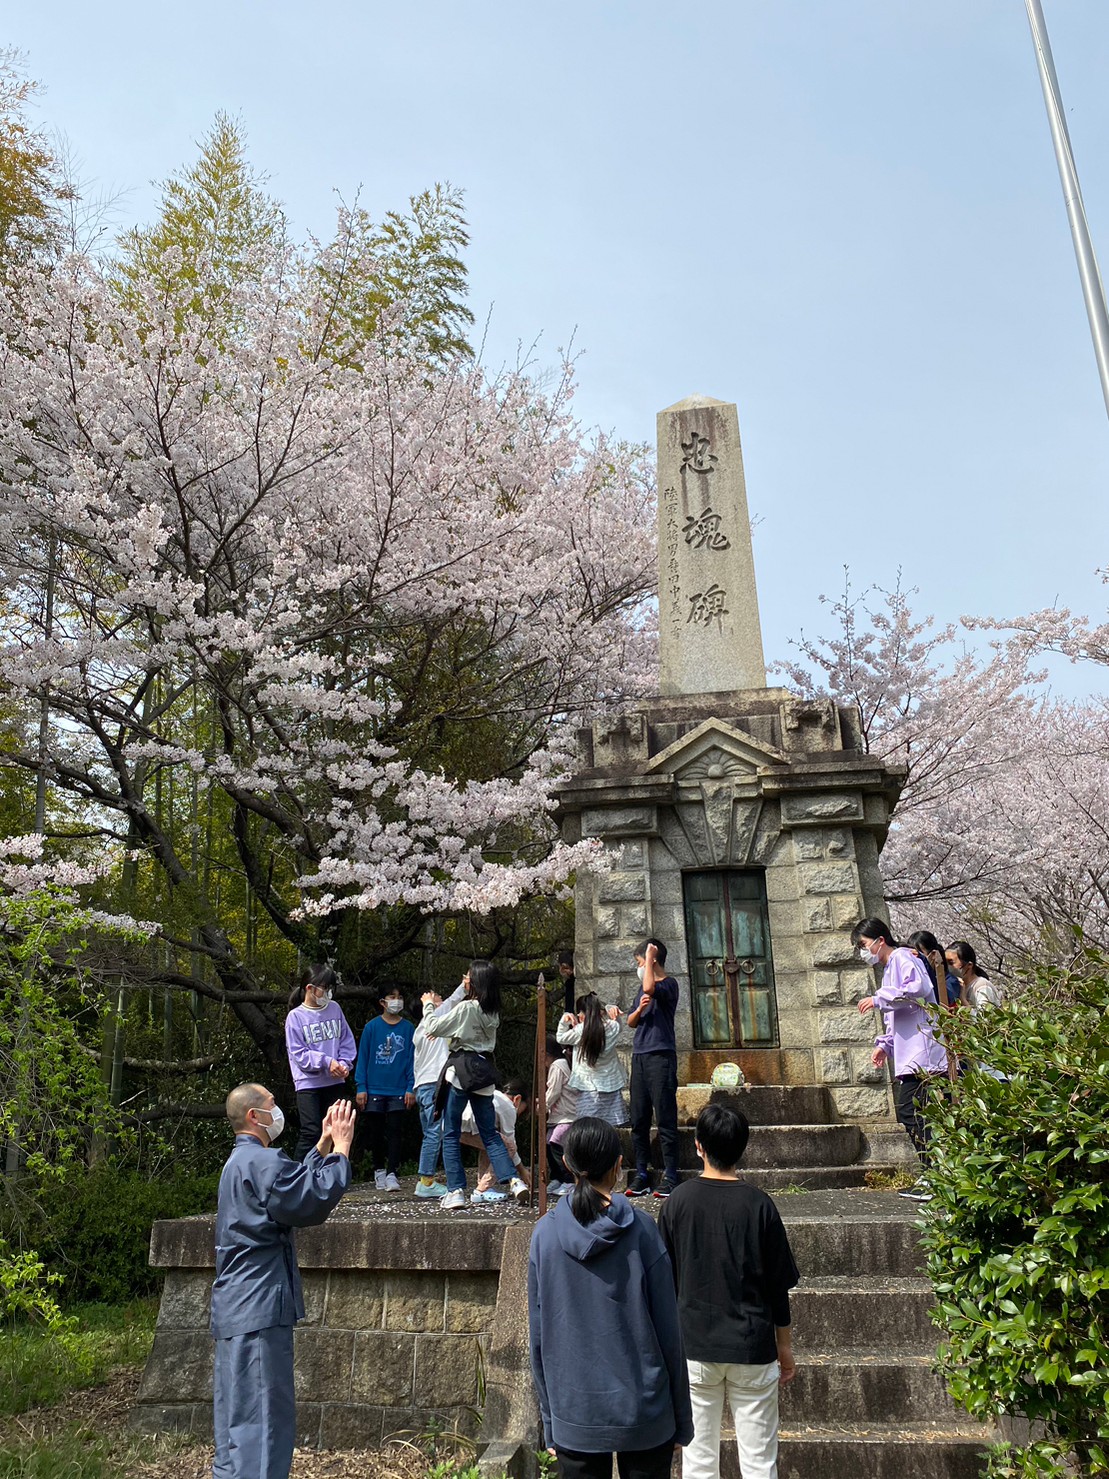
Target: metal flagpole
[1092, 289]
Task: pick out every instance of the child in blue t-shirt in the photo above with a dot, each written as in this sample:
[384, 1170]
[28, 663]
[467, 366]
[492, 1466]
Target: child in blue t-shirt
[383, 1076]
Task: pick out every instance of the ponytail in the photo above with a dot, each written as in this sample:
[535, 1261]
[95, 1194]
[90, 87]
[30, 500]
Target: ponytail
[593, 1028]
[591, 1150]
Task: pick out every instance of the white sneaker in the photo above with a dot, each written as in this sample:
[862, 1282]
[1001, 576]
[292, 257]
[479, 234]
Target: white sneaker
[453, 1201]
[520, 1190]
[918, 1192]
[379, 1180]
[391, 1182]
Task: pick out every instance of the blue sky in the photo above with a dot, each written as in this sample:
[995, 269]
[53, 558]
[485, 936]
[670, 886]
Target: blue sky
[844, 215]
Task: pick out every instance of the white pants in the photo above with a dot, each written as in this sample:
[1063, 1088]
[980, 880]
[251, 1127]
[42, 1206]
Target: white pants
[752, 1393]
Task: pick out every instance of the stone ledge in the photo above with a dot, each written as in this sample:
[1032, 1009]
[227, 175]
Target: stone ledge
[346, 1242]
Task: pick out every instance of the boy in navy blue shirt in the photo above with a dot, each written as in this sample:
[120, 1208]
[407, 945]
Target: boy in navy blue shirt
[654, 1085]
[385, 1080]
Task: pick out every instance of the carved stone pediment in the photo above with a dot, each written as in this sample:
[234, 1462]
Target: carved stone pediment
[715, 752]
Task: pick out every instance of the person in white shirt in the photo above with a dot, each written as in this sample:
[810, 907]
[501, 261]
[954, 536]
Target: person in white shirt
[429, 1059]
[562, 1111]
[598, 1075]
[507, 1107]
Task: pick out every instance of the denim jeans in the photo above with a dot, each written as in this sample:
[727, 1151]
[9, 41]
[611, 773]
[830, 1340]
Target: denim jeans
[432, 1128]
[485, 1117]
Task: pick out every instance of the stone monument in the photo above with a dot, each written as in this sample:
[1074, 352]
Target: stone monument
[742, 824]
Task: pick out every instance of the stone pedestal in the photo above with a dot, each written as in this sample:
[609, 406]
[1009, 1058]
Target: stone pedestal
[754, 780]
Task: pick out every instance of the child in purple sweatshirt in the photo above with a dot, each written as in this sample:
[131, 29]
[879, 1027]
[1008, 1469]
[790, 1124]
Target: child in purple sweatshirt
[907, 1002]
[321, 1052]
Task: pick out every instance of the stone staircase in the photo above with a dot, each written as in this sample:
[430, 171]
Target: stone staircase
[865, 1403]
[797, 1142]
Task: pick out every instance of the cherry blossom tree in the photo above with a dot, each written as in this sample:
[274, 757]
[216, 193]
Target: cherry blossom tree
[950, 717]
[358, 607]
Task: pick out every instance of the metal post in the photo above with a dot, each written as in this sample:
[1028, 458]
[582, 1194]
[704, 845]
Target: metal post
[541, 1093]
[1092, 290]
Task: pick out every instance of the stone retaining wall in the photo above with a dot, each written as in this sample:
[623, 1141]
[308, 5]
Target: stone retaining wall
[398, 1319]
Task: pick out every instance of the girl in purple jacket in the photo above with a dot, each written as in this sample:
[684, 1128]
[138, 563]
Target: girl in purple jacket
[906, 1000]
[321, 1052]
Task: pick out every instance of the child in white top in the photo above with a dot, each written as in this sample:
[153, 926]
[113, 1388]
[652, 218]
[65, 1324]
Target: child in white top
[598, 1075]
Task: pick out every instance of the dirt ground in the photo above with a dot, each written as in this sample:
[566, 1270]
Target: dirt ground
[103, 1411]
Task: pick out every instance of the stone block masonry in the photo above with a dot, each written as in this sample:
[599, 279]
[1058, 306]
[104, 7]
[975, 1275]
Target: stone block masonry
[756, 783]
[398, 1318]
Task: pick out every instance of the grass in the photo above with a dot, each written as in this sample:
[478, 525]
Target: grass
[71, 1455]
[38, 1368]
[889, 1180]
[70, 1436]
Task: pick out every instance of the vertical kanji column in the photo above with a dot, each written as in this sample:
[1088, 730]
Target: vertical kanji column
[710, 639]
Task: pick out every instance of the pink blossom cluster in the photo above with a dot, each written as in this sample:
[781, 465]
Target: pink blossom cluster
[261, 558]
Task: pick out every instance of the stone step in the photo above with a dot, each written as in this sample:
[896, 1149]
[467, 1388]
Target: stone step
[771, 1146]
[771, 1104]
[950, 1451]
[866, 1386]
[786, 1179]
[853, 1233]
[842, 1314]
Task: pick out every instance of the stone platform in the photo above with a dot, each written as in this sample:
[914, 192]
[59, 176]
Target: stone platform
[417, 1316]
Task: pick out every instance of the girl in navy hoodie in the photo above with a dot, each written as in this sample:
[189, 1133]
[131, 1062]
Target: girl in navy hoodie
[606, 1346]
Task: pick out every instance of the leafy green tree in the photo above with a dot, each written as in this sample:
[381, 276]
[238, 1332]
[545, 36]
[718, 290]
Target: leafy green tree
[404, 278]
[216, 228]
[1017, 1231]
[31, 182]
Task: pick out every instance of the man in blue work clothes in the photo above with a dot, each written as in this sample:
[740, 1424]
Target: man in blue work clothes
[256, 1298]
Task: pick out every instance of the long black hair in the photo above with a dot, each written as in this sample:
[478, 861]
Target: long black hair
[593, 1028]
[318, 975]
[590, 1150]
[485, 986]
[873, 929]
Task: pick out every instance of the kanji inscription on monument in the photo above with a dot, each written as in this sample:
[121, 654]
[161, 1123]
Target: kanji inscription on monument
[710, 639]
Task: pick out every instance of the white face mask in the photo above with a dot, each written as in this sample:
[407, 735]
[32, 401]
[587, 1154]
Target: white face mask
[639, 971]
[868, 958]
[394, 1005]
[319, 1001]
[275, 1129]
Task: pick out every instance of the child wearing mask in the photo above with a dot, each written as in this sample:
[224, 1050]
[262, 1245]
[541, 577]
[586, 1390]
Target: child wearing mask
[908, 1039]
[429, 1060]
[321, 1052]
[383, 1076]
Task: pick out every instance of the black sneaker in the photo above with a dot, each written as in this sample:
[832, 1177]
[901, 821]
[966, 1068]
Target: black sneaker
[640, 1187]
[666, 1189]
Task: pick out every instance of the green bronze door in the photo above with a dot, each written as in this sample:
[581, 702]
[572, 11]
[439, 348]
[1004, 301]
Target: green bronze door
[730, 970]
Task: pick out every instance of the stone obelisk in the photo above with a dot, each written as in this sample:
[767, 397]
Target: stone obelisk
[710, 639]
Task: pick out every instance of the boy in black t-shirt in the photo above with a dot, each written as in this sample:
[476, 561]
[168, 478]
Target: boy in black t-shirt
[654, 1086]
[734, 1269]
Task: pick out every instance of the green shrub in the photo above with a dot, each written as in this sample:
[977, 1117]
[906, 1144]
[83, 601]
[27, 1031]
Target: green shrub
[95, 1230]
[40, 1363]
[1018, 1232]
